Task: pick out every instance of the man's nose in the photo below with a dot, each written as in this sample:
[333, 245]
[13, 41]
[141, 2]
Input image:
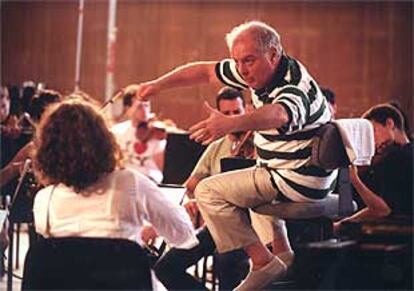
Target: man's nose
[243, 70]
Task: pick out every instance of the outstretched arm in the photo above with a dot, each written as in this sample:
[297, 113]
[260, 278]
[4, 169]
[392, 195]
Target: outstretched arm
[270, 116]
[376, 207]
[183, 76]
[12, 169]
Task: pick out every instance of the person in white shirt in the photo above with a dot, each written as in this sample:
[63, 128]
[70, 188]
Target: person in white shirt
[142, 150]
[88, 193]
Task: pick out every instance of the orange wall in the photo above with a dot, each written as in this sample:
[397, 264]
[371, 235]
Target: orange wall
[363, 51]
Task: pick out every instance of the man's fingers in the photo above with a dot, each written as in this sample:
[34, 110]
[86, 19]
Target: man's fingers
[197, 126]
[199, 135]
[209, 140]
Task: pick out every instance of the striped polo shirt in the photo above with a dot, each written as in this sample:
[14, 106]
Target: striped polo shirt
[286, 151]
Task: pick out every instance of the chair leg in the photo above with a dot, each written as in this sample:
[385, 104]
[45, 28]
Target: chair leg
[10, 259]
[196, 273]
[18, 227]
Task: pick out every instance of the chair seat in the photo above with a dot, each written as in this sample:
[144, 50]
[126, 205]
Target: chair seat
[293, 210]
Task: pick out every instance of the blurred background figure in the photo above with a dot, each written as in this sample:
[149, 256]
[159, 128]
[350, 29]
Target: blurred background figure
[385, 188]
[127, 101]
[28, 121]
[142, 140]
[4, 103]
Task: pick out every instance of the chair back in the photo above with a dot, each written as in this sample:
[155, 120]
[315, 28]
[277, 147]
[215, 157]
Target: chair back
[328, 150]
[86, 263]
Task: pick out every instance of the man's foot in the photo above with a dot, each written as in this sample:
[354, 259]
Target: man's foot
[258, 279]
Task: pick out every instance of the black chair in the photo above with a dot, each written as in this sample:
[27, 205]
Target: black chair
[86, 263]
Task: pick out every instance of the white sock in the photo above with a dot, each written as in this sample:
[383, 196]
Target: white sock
[258, 279]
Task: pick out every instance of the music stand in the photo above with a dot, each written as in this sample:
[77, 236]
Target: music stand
[181, 155]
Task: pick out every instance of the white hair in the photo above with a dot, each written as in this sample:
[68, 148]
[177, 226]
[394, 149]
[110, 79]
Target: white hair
[265, 35]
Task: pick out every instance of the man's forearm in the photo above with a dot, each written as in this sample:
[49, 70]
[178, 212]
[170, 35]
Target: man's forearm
[374, 202]
[188, 75]
[267, 117]
[362, 214]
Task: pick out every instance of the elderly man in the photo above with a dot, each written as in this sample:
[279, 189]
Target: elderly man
[289, 109]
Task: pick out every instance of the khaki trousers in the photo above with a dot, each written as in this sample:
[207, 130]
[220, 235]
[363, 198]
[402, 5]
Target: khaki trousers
[224, 201]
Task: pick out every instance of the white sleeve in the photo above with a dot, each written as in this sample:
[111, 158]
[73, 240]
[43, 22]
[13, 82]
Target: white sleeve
[40, 209]
[171, 221]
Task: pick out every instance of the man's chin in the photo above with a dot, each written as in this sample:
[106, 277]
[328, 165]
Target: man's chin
[384, 147]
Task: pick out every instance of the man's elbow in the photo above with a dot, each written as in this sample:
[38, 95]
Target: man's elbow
[210, 73]
[282, 116]
[385, 211]
[382, 211]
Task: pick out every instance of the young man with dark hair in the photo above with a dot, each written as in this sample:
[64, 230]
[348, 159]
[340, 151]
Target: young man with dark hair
[387, 187]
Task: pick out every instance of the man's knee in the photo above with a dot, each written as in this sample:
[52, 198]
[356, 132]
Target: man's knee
[202, 190]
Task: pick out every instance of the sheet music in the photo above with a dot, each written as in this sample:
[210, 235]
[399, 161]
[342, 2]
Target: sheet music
[174, 194]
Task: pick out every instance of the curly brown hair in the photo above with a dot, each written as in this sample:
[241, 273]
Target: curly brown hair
[74, 145]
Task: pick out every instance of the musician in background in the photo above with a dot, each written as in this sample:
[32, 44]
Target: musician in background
[39, 104]
[4, 103]
[386, 187]
[142, 147]
[16, 166]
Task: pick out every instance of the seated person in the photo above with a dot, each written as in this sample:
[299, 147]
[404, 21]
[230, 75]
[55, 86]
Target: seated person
[88, 193]
[4, 103]
[232, 266]
[141, 146]
[39, 105]
[127, 101]
[388, 187]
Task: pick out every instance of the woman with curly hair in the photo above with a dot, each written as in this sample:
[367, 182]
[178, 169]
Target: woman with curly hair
[88, 193]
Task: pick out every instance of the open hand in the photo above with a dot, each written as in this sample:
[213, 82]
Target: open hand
[214, 127]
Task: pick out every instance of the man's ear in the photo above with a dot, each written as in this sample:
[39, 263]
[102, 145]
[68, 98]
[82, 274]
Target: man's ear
[389, 123]
[274, 58]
